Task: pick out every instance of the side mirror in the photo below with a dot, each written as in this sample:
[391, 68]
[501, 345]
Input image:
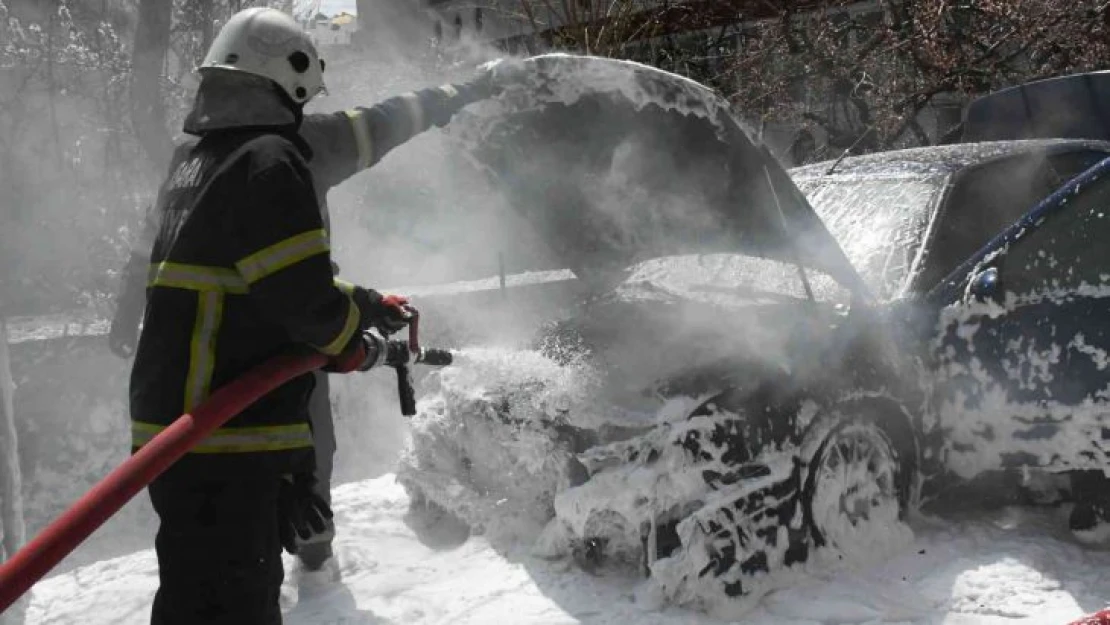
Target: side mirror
[985, 285]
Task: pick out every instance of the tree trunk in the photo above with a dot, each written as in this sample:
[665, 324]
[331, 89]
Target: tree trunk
[148, 111]
[52, 88]
[204, 16]
[11, 496]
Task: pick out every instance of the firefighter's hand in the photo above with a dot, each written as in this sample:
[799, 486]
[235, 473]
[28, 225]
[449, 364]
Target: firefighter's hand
[397, 313]
[499, 74]
[387, 313]
[301, 512]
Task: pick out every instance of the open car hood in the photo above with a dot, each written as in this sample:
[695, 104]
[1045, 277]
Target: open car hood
[616, 162]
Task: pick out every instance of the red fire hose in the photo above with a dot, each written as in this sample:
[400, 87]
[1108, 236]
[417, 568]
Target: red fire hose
[37, 557]
[1101, 617]
[43, 553]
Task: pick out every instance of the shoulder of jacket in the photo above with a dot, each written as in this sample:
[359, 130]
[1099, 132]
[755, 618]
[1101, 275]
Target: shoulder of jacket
[269, 144]
[268, 151]
[319, 128]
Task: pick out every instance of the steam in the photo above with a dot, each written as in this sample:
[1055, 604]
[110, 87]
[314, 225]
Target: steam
[431, 212]
[423, 215]
[72, 193]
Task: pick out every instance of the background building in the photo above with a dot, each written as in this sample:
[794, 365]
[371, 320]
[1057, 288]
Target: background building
[338, 30]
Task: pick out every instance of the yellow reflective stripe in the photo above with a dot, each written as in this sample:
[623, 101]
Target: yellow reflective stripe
[416, 111]
[202, 347]
[349, 328]
[343, 285]
[195, 278]
[362, 138]
[236, 440]
[283, 254]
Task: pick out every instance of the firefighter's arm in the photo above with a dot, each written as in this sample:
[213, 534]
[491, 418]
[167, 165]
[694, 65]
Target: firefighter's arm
[392, 122]
[347, 142]
[284, 257]
[388, 124]
[282, 253]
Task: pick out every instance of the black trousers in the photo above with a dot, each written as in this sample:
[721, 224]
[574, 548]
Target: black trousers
[219, 553]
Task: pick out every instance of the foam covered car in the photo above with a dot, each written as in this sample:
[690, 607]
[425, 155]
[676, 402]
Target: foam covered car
[734, 399]
[725, 400]
[932, 230]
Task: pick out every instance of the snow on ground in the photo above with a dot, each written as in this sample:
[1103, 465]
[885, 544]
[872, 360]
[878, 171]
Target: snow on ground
[1007, 567]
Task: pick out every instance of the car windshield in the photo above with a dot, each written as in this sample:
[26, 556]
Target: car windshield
[879, 221]
[729, 280]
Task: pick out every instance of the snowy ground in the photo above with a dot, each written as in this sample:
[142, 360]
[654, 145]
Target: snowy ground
[1006, 567]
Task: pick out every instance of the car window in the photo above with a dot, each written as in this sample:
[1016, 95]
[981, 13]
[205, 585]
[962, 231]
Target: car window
[728, 279]
[878, 221]
[1068, 250]
[985, 200]
[1068, 165]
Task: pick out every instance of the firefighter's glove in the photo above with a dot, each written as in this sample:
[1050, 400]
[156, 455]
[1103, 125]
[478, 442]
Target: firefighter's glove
[365, 351]
[301, 512]
[387, 313]
[499, 74]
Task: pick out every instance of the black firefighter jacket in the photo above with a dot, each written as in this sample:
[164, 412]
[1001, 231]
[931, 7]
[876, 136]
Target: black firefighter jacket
[339, 145]
[240, 271]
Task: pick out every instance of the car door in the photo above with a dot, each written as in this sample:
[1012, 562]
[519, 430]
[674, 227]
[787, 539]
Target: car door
[1020, 361]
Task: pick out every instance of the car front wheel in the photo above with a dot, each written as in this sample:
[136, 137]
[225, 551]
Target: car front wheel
[853, 492]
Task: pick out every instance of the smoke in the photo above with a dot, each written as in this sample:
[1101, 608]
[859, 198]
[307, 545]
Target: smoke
[422, 216]
[632, 175]
[69, 178]
[73, 183]
[447, 206]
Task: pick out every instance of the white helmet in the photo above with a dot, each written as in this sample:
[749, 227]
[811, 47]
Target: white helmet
[269, 43]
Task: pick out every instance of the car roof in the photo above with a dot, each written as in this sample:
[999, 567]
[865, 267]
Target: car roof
[941, 159]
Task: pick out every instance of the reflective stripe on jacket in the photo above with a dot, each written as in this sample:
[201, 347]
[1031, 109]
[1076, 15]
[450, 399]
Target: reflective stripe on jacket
[236, 440]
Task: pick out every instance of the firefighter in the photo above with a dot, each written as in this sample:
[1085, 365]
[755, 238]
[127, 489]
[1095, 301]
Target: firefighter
[238, 271]
[342, 144]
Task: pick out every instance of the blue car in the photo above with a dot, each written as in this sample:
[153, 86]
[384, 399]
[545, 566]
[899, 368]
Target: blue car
[1019, 354]
[769, 369]
[983, 253]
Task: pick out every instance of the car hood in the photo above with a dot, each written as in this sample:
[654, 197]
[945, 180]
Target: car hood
[616, 162]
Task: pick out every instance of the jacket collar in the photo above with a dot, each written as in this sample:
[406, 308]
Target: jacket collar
[230, 101]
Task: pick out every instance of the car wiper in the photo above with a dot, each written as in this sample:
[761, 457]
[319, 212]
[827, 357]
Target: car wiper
[793, 244]
[848, 150]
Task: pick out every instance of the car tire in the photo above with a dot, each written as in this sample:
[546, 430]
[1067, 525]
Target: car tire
[855, 491]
